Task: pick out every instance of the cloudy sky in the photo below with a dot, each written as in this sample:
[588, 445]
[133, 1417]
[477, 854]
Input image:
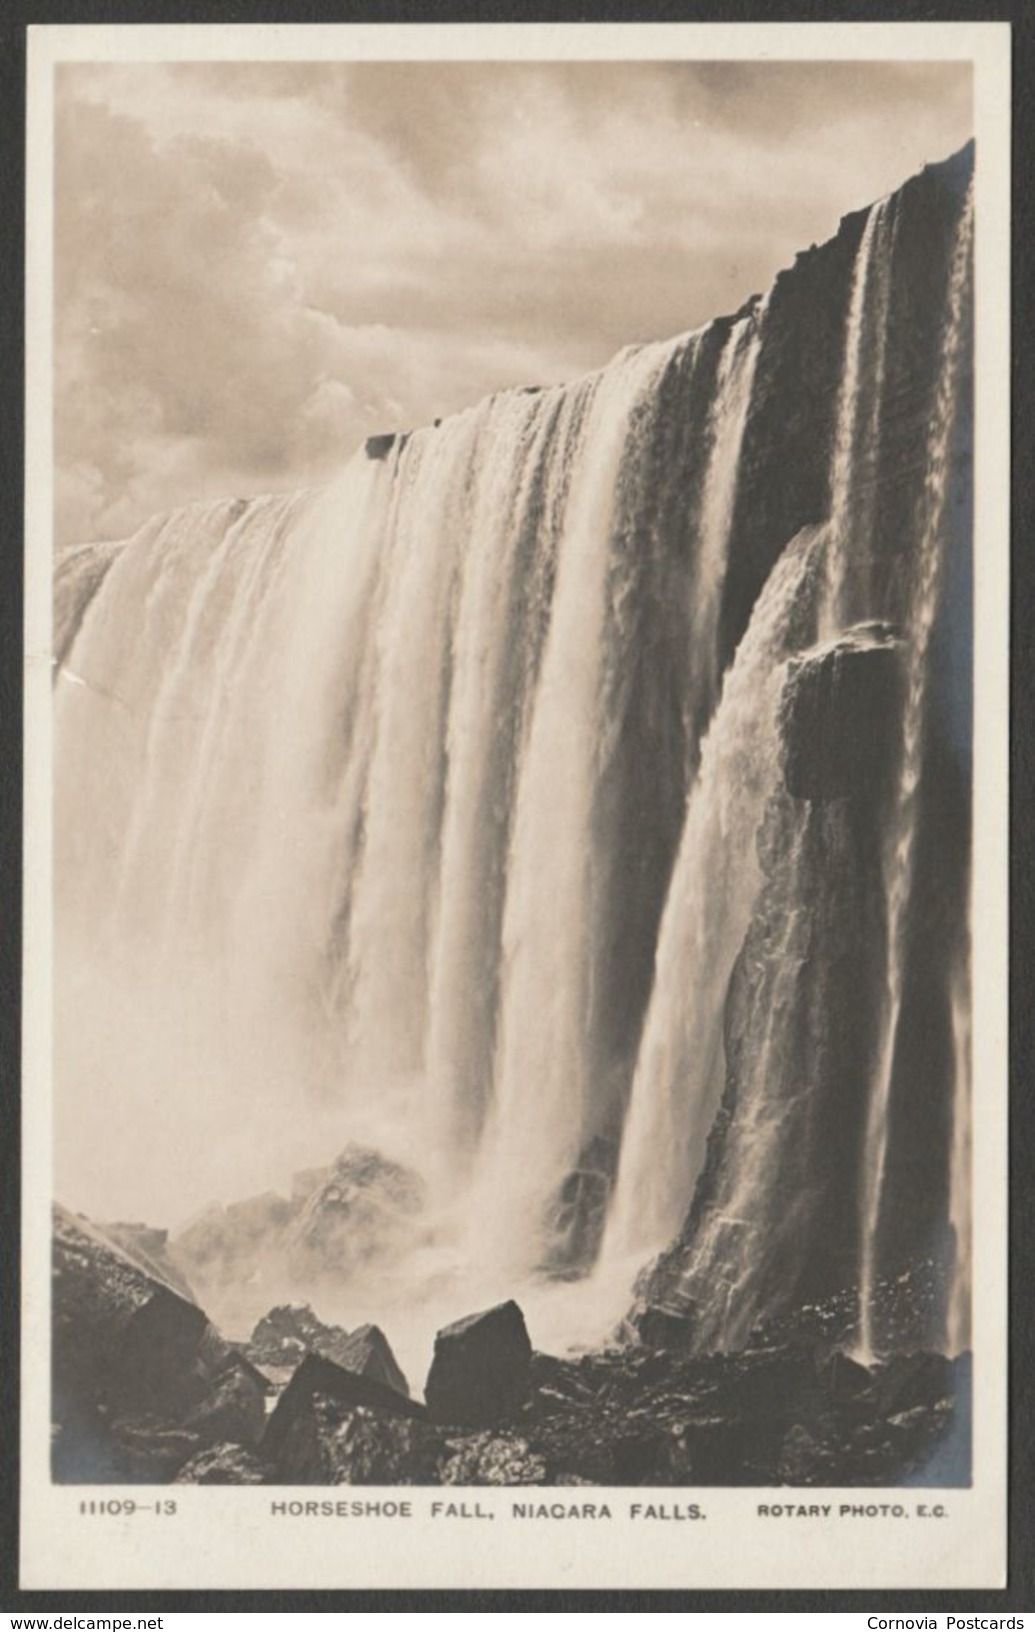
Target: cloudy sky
[257, 265]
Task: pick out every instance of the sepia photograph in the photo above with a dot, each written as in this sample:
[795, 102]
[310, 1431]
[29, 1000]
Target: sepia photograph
[509, 965]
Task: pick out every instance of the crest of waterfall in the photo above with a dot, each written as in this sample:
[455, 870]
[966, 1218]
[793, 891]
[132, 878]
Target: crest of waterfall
[446, 810]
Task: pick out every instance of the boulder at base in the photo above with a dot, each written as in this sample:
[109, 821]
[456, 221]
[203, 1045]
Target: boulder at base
[317, 1376]
[481, 1371]
[368, 1353]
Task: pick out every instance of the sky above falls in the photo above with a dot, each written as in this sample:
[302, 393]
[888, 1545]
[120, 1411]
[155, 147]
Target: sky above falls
[258, 264]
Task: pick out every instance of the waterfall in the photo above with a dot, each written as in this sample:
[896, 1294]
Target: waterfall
[854, 472]
[960, 1176]
[447, 810]
[680, 1068]
[901, 838]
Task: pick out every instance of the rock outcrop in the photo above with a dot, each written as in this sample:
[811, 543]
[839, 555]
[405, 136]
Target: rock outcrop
[839, 715]
[480, 1372]
[141, 1380]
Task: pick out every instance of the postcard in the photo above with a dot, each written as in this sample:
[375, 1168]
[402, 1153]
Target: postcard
[517, 590]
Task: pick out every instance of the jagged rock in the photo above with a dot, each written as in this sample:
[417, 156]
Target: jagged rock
[481, 1370]
[235, 1409]
[224, 1464]
[368, 1353]
[319, 1437]
[148, 1248]
[492, 1459]
[318, 1379]
[121, 1339]
[365, 1210]
[292, 1330]
[839, 716]
[216, 1357]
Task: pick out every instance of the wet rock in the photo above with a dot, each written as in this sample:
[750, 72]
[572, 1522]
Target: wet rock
[839, 716]
[365, 1210]
[661, 1328]
[224, 1464]
[492, 1459]
[323, 1440]
[481, 1370]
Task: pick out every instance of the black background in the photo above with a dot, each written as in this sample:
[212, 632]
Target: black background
[1020, 1591]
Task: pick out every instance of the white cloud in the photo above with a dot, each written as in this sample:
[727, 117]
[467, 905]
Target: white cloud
[258, 264]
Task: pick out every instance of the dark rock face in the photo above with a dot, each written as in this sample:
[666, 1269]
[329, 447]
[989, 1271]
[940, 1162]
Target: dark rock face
[838, 717]
[776, 1212]
[148, 1248]
[661, 1328]
[368, 1353]
[785, 462]
[120, 1337]
[141, 1380]
[481, 1368]
[366, 1209]
[379, 447]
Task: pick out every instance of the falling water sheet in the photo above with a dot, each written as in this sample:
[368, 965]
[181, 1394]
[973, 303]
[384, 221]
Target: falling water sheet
[516, 859]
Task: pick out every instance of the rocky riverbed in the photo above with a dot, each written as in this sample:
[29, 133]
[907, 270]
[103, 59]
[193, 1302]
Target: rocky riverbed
[147, 1391]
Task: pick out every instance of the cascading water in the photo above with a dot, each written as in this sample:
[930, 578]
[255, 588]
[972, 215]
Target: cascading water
[960, 1212]
[447, 810]
[901, 839]
[855, 474]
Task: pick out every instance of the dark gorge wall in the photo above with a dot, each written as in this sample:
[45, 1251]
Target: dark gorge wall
[776, 1218]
